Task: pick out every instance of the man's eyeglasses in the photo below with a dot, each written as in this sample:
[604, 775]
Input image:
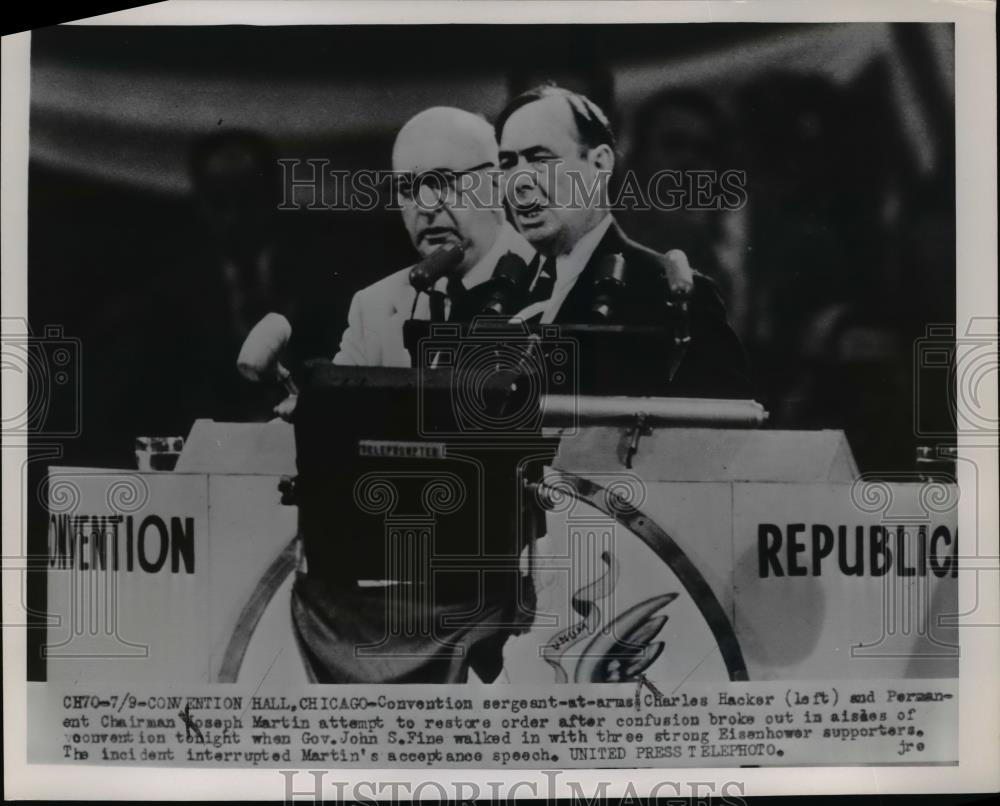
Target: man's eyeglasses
[430, 189]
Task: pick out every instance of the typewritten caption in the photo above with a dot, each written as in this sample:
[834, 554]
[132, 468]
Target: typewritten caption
[622, 725]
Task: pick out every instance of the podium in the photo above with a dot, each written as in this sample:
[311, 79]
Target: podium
[732, 545]
[722, 553]
[151, 572]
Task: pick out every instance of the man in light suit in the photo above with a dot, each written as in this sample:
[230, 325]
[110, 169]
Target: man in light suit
[445, 160]
[447, 184]
[457, 151]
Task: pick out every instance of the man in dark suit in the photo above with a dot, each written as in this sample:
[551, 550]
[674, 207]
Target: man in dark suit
[557, 152]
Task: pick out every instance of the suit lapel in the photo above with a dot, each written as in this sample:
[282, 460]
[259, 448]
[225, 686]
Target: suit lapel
[402, 301]
[393, 349]
[574, 308]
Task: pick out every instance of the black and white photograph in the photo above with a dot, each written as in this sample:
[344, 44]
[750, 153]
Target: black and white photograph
[560, 393]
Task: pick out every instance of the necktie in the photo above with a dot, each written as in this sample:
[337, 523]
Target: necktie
[455, 292]
[545, 282]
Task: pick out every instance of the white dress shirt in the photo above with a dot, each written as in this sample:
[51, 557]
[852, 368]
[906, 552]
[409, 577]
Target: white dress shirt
[568, 268]
[374, 334]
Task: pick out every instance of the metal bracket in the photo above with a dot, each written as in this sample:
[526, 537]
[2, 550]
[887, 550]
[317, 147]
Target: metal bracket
[287, 488]
[640, 429]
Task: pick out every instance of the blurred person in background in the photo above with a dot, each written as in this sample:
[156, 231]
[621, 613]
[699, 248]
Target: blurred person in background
[244, 259]
[797, 175]
[235, 191]
[686, 130]
[825, 221]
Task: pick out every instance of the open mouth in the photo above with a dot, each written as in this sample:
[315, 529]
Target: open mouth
[530, 213]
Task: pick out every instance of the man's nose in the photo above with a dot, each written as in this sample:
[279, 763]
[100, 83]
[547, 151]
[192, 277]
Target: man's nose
[429, 200]
[437, 215]
[521, 183]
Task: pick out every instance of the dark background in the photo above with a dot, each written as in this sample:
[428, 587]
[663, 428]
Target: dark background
[841, 258]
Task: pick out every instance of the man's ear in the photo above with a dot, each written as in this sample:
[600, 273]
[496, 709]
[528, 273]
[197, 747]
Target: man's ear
[602, 158]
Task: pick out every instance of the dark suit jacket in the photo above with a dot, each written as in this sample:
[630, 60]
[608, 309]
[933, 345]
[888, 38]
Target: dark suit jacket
[714, 363]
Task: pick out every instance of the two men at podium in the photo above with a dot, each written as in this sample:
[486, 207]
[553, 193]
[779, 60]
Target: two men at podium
[457, 147]
[556, 154]
[581, 268]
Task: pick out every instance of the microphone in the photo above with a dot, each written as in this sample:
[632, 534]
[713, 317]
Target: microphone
[609, 282]
[423, 276]
[678, 281]
[510, 283]
[435, 266]
[677, 275]
[258, 358]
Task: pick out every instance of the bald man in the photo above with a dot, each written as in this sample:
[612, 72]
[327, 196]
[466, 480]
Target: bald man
[445, 160]
[438, 154]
